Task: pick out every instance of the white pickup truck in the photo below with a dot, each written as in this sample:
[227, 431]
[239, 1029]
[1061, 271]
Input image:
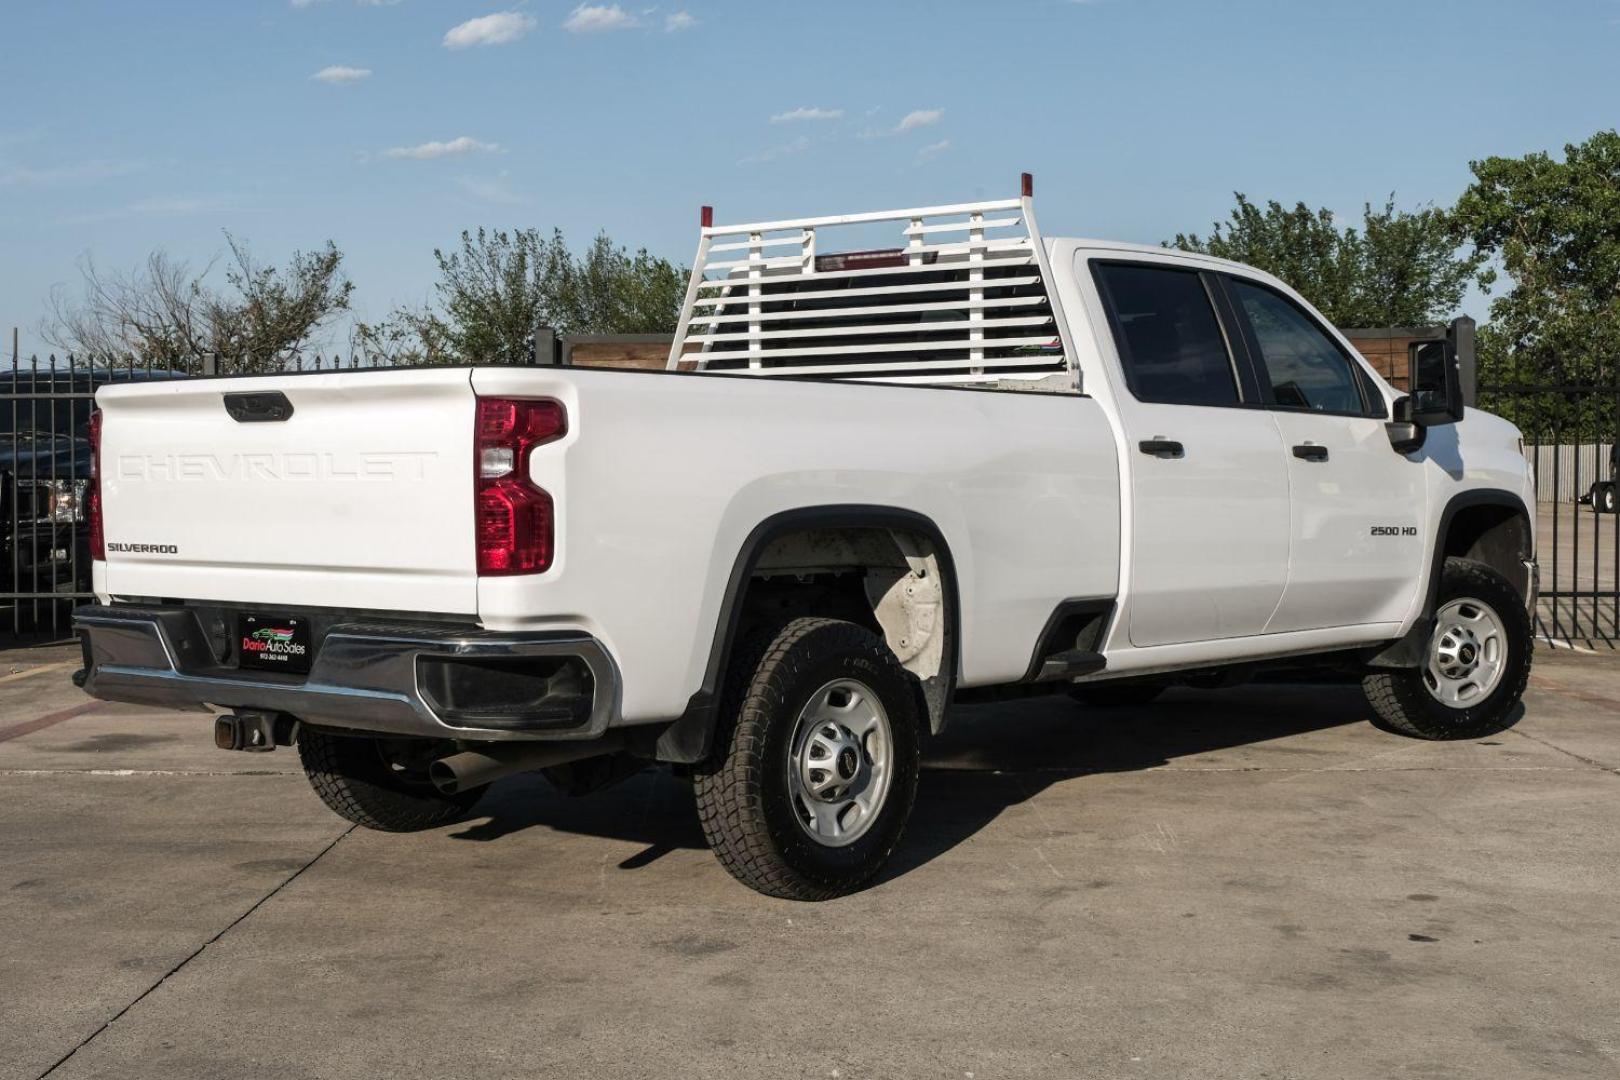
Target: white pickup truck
[869, 485]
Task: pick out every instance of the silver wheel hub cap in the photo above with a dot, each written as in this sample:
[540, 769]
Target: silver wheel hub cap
[839, 762]
[1467, 654]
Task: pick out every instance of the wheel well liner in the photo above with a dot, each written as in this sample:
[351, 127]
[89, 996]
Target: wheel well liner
[689, 738]
[1492, 527]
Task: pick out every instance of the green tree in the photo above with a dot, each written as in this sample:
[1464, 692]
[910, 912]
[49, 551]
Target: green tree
[276, 311]
[497, 286]
[1401, 268]
[1553, 228]
[267, 318]
[611, 291]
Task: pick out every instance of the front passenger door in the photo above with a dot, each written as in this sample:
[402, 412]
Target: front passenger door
[1358, 513]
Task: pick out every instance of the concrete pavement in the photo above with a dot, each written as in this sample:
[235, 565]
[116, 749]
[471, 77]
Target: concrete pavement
[1248, 883]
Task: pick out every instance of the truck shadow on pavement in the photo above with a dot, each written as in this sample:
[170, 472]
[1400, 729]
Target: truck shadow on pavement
[991, 758]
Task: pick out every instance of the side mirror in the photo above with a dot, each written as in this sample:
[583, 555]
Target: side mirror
[1406, 434]
[1435, 382]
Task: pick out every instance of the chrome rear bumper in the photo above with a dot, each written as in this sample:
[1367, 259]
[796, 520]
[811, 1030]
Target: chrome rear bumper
[364, 676]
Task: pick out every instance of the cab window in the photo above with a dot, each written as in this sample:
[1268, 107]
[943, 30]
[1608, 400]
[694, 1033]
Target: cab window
[1169, 339]
[1302, 368]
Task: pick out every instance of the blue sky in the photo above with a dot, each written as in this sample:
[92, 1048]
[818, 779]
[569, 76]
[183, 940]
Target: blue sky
[129, 126]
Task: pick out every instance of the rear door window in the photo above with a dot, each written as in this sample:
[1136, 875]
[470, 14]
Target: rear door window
[1302, 367]
[1169, 339]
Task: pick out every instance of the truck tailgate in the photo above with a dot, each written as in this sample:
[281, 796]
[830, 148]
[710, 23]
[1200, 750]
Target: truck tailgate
[361, 498]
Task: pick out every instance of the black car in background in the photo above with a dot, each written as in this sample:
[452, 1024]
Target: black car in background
[44, 473]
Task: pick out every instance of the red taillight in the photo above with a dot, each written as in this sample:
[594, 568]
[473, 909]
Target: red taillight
[92, 492]
[515, 529]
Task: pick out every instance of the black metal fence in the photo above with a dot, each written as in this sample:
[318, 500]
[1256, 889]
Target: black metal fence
[1570, 431]
[44, 472]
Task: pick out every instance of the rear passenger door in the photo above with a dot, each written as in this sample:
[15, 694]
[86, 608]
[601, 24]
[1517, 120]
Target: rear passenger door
[1358, 512]
[1208, 515]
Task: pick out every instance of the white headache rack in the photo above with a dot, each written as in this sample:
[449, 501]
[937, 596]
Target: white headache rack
[964, 298]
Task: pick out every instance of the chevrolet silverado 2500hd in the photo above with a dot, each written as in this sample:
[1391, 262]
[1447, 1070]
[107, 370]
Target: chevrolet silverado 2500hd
[869, 484]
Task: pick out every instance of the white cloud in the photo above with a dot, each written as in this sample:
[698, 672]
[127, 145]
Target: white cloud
[591, 18]
[918, 118]
[165, 207]
[807, 112]
[797, 146]
[305, 3]
[680, 20]
[84, 172]
[455, 147]
[933, 150]
[338, 75]
[173, 207]
[500, 28]
[497, 190]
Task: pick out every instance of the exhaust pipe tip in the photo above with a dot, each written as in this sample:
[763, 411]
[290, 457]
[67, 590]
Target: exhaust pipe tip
[444, 778]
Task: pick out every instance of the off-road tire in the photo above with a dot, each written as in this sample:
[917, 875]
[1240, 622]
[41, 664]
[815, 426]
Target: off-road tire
[350, 775]
[742, 790]
[1116, 695]
[1400, 700]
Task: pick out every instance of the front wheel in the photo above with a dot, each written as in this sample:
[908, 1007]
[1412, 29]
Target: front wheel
[815, 767]
[1475, 665]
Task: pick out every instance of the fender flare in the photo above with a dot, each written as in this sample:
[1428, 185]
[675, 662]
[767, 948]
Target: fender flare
[1408, 650]
[691, 736]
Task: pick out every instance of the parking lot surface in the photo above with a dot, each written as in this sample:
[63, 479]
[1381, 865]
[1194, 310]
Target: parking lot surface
[1248, 883]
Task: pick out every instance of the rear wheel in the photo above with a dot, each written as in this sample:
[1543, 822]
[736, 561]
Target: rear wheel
[1474, 668]
[1603, 499]
[814, 773]
[380, 783]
